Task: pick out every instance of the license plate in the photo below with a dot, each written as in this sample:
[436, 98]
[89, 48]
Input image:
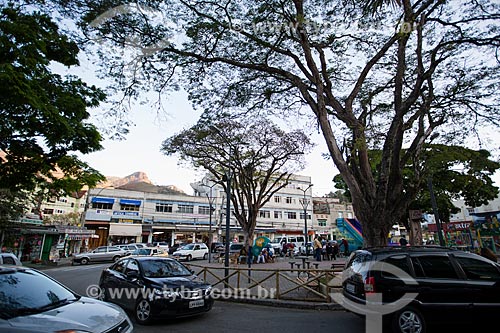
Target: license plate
[197, 303]
[350, 288]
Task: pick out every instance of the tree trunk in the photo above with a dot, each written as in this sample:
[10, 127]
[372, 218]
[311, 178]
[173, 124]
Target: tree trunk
[415, 232]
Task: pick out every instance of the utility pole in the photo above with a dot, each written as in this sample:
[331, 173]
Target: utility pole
[305, 202]
[435, 211]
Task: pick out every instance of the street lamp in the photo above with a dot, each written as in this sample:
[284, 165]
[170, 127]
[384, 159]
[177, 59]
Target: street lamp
[305, 202]
[210, 203]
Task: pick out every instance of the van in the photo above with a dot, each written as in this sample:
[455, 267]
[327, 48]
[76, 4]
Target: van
[277, 242]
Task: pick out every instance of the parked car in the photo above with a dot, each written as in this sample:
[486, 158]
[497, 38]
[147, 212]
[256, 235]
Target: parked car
[129, 248]
[191, 251]
[100, 254]
[310, 249]
[217, 247]
[33, 302]
[175, 247]
[163, 245]
[169, 288]
[7, 258]
[448, 284]
[150, 251]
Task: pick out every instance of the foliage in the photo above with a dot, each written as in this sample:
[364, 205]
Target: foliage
[12, 206]
[259, 158]
[456, 173]
[43, 116]
[373, 76]
[63, 219]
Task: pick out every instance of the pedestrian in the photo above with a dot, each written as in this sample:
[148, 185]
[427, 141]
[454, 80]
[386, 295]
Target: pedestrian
[317, 248]
[345, 244]
[329, 251]
[336, 250]
[403, 241]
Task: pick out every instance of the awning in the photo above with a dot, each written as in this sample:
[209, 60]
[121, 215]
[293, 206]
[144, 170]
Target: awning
[130, 202]
[125, 229]
[103, 200]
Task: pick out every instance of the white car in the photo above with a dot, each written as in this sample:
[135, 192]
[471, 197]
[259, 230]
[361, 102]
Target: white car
[33, 302]
[191, 251]
[7, 258]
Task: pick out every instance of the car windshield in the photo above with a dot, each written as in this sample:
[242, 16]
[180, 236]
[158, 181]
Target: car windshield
[142, 252]
[187, 247]
[164, 268]
[29, 292]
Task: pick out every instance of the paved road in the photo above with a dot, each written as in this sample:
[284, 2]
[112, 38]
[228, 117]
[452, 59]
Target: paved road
[226, 316]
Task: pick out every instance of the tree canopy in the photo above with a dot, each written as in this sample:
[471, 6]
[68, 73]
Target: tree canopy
[43, 116]
[258, 157]
[456, 173]
[372, 75]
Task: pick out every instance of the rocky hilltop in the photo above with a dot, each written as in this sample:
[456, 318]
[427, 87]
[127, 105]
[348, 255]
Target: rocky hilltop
[138, 181]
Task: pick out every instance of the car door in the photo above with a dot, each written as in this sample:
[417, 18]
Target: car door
[483, 279]
[99, 254]
[440, 286]
[113, 280]
[197, 251]
[132, 285]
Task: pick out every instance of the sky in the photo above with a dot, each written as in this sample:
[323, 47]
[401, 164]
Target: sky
[140, 151]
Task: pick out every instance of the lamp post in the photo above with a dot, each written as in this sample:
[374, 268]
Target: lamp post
[212, 209]
[305, 202]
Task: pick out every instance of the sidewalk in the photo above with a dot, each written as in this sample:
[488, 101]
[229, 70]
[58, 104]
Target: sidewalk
[48, 265]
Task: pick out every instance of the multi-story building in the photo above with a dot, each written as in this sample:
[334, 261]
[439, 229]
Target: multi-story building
[150, 214]
[326, 213]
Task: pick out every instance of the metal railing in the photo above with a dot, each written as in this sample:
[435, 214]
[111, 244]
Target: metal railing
[306, 285]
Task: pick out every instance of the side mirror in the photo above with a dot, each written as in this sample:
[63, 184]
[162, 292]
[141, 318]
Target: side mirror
[132, 275]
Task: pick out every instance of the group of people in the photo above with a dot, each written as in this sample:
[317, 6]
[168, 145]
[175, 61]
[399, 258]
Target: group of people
[329, 250]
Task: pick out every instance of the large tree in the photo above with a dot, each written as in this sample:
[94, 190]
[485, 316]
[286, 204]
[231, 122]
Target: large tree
[389, 81]
[258, 157]
[455, 172]
[43, 116]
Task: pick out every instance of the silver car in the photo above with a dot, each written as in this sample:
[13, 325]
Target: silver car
[7, 258]
[100, 254]
[31, 301]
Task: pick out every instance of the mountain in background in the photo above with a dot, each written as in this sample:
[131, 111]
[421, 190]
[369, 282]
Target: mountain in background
[139, 181]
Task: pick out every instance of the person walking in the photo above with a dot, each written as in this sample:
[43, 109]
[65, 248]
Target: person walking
[345, 244]
[317, 248]
[403, 241]
[329, 251]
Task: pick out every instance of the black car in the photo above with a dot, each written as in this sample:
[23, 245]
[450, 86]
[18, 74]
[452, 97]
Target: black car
[421, 286]
[155, 287]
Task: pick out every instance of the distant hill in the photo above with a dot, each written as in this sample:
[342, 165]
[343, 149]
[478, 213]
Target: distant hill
[139, 181]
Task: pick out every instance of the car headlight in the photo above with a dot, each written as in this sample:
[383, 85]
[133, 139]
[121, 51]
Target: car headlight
[165, 293]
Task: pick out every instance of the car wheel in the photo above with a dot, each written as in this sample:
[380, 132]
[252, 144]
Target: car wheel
[189, 257]
[408, 319]
[143, 312]
[115, 258]
[205, 256]
[84, 261]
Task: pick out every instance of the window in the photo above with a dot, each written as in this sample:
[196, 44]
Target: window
[470, 210]
[204, 210]
[322, 223]
[132, 267]
[129, 207]
[48, 211]
[99, 205]
[438, 267]
[277, 199]
[162, 207]
[291, 215]
[64, 200]
[399, 261]
[8, 260]
[265, 214]
[59, 211]
[288, 200]
[120, 266]
[277, 215]
[185, 209]
[478, 270]
[302, 216]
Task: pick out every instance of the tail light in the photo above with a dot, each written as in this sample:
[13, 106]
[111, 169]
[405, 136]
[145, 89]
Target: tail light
[369, 285]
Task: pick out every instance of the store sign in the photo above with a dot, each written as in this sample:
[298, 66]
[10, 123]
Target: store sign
[31, 221]
[126, 213]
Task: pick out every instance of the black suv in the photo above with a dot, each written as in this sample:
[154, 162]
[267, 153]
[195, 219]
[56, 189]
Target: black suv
[424, 285]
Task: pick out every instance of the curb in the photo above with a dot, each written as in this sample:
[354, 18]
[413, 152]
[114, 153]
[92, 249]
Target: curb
[286, 304]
